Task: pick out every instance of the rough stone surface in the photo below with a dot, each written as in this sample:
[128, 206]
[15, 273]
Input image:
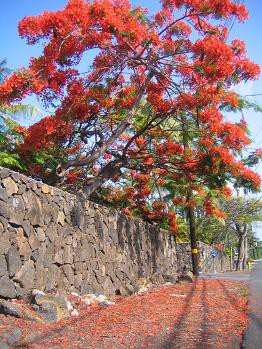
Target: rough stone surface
[40, 234]
[50, 242]
[45, 189]
[208, 261]
[19, 311]
[3, 266]
[52, 308]
[7, 287]
[187, 277]
[26, 275]
[4, 243]
[13, 261]
[34, 210]
[34, 241]
[10, 186]
[3, 195]
[23, 245]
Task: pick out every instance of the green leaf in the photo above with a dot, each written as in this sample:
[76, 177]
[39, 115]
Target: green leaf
[124, 33]
[11, 161]
[3, 138]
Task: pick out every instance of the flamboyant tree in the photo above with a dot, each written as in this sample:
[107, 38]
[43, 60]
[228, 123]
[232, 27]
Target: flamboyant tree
[133, 92]
[161, 168]
[176, 60]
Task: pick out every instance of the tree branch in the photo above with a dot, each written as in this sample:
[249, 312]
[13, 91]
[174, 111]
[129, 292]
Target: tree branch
[119, 130]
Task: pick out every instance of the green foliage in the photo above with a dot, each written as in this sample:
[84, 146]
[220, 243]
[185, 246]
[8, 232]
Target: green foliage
[16, 112]
[183, 228]
[247, 104]
[252, 160]
[11, 161]
[243, 103]
[210, 229]
[239, 211]
[9, 139]
[48, 161]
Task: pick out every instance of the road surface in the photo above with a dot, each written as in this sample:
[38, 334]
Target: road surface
[253, 335]
[230, 275]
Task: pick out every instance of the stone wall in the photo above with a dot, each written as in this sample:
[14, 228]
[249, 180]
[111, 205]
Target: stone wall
[208, 261]
[184, 257]
[213, 260]
[47, 241]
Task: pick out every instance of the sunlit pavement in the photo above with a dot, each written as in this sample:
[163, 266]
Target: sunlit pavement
[230, 275]
[253, 336]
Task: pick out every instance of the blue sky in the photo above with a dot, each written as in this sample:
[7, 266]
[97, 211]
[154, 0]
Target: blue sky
[17, 52]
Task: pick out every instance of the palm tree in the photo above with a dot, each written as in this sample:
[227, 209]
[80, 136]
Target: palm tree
[4, 71]
[9, 121]
[15, 111]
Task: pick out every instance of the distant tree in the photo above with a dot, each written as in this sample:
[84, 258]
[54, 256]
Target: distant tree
[241, 213]
[236, 227]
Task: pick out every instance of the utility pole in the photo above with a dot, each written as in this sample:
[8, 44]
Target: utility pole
[231, 257]
[191, 209]
[193, 240]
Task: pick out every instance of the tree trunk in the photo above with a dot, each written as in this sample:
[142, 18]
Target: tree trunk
[244, 265]
[111, 169]
[124, 124]
[242, 233]
[193, 239]
[191, 210]
[240, 251]
[231, 258]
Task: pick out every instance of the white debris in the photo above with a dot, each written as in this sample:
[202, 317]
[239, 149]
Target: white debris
[36, 292]
[101, 298]
[89, 299]
[74, 313]
[75, 294]
[142, 290]
[86, 301]
[69, 305]
[107, 303]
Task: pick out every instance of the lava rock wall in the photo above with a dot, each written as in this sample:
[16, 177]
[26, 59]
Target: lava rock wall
[49, 241]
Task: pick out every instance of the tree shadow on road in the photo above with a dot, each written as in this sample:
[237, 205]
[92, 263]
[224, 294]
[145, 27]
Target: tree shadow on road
[173, 337]
[256, 319]
[204, 332]
[205, 311]
[251, 315]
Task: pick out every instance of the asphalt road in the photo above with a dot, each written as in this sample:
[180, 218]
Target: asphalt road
[230, 275]
[253, 335]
